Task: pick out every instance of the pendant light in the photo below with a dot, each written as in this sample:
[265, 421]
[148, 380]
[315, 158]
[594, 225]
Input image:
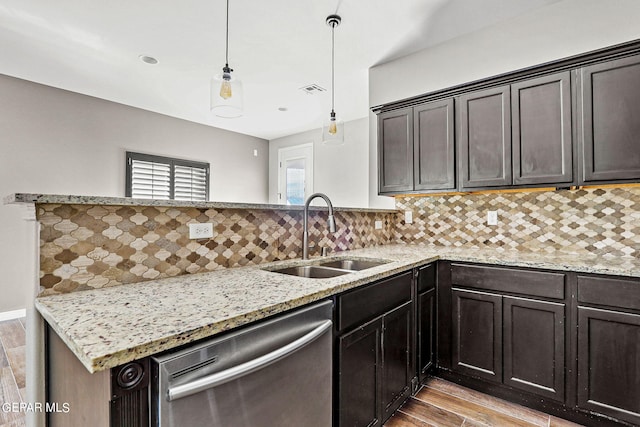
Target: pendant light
[333, 130]
[226, 89]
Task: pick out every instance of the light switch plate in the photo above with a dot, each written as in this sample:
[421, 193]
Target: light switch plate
[492, 218]
[378, 225]
[201, 230]
[408, 217]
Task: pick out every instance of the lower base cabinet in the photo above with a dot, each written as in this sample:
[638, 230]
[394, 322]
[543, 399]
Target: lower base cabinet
[375, 364]
[564, 343]
[609, 347]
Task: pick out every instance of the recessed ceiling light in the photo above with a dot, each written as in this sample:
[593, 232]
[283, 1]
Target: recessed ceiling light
[148, 59]
[283, 109]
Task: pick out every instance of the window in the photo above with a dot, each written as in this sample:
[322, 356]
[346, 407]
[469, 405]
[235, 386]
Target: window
[164, 178]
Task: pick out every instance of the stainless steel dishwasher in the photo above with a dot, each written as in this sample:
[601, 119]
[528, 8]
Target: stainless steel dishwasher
[273, 374]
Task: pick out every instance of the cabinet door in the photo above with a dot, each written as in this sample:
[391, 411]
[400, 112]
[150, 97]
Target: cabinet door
[426, 332]
[541, 130]
[433, 156]
[611, 120]
[534, 343]
[397, 350]
[395, 151]
[360, 376]
[609, 363]
[477, 334]
[484, 138]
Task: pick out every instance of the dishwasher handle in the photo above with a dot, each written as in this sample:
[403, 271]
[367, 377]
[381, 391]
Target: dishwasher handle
[219, 378]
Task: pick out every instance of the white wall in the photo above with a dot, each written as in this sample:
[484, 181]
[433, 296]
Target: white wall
[58, 142]
[340, 171]
[560, 30]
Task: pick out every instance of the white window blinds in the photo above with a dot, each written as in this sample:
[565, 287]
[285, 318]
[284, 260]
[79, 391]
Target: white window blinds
[164, 178]
[190, 183]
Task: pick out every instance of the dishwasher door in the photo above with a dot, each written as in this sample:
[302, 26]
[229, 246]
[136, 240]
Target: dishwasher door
[277, 373]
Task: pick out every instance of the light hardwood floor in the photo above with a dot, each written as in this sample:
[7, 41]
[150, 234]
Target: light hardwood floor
[12, 381]
[443, 404]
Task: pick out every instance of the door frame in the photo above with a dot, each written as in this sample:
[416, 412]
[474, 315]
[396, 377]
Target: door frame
[308, 186]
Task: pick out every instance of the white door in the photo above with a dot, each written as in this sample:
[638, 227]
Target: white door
[295, 174]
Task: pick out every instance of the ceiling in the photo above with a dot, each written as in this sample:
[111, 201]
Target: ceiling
[276, 47]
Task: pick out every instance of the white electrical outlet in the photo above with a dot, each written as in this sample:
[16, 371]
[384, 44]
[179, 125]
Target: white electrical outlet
[255, 153]
[378, 225]
[492, 218]
[201, 230]
[408, 217]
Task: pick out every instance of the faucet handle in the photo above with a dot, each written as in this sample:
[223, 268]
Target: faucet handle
[325, 250]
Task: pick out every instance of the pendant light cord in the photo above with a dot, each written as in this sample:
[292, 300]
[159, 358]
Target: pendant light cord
[333, 60]
[226, 51]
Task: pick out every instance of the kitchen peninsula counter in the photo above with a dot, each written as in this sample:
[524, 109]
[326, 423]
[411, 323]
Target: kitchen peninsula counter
[110, 326]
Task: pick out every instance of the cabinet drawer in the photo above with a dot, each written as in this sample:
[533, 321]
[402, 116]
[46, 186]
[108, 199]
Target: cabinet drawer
[360, 305]
[526, 282]
[623, 293]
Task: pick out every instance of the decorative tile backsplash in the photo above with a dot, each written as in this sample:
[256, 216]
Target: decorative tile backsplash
[93, 246]
[84, 246]
[603, 221]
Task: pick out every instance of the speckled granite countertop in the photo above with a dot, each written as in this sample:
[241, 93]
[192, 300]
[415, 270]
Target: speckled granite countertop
[61, 199]
[108, 327]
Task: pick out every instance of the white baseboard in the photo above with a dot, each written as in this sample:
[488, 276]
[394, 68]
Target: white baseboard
[10, 315]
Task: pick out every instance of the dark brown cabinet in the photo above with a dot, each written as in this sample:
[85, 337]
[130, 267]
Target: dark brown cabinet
[395, 151]
[541, 130]
[484, 138]
[477, 334]
[426, 320]
[514, 340]
[360, 376]
[397, 369]
[534, 346]
[562, 124]
[375, 346]
[609, 347]
[434, 146]
[609, 96]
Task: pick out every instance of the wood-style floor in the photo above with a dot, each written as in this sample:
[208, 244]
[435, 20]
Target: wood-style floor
[12, 382]
[443, 404]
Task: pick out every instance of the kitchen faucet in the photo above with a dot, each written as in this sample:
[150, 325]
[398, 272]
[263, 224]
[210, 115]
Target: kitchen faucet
[305, 229]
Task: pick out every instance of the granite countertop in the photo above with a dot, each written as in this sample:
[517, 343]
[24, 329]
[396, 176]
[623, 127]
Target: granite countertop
[108, 327]
[20, 198]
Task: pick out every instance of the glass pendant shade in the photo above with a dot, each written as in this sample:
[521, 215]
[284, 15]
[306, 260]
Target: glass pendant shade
[333, 131]
[226, 96]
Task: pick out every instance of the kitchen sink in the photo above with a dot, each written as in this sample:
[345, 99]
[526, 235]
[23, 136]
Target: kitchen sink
[312, 271]
[330, 268]
[353, 264]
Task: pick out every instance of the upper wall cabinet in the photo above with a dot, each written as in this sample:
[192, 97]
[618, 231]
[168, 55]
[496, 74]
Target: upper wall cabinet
[571, 122]
[541, 130]
[517, 135]
[395, 151]
[416, 148]
[434, 151]
[484, 138]
[610, 120]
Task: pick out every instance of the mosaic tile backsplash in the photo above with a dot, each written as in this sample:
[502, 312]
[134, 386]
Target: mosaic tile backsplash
[94, 246]
[603, 221]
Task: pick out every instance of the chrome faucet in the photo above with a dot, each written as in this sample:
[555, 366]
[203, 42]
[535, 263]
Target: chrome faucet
[305, 229]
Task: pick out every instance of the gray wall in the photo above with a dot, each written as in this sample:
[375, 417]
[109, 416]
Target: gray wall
[562, 29]
[340, 171]
[58, 142]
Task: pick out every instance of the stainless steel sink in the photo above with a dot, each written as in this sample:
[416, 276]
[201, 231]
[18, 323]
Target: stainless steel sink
[330, 268]
[353, 264]
[312, 272]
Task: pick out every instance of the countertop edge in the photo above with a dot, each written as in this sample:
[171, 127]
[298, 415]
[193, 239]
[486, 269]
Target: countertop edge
[20, 198]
